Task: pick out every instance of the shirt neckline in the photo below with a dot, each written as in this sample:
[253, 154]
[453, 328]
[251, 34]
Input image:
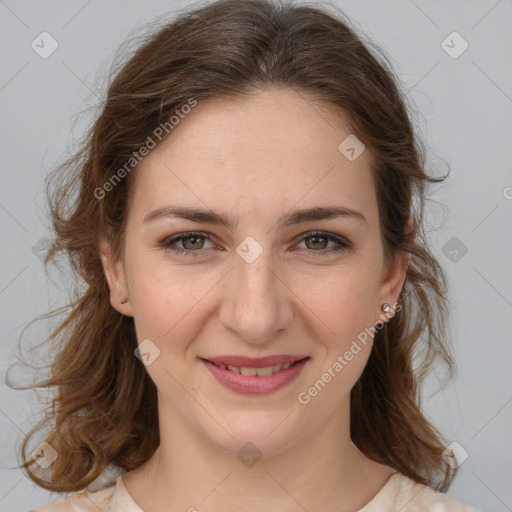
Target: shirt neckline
[126, 498]
[378, 497]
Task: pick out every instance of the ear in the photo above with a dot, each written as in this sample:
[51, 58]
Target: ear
[116, 278]
[394, 275]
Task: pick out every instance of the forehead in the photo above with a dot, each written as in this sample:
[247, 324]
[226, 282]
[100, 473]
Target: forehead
[267, 151]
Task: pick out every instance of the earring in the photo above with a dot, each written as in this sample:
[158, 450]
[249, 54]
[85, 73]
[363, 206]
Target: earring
[386, 308]
[125, 300]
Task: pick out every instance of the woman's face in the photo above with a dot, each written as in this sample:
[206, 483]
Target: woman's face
[254, 288]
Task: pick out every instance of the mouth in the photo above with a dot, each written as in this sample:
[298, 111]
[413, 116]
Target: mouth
[255, 376]
[261, 371]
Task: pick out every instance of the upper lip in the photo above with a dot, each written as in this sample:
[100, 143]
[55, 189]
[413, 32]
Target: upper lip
[251, 362]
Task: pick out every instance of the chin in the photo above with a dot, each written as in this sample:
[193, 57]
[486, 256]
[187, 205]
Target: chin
[259, 433]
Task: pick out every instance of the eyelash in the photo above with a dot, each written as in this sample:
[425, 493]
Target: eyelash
[343, 245]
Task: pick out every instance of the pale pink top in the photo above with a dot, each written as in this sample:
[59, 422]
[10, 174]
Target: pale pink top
[399, 494]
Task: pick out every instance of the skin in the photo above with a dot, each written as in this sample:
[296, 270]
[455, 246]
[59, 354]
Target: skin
[255, 160]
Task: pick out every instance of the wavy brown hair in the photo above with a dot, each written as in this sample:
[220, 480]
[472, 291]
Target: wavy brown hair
[104, 411]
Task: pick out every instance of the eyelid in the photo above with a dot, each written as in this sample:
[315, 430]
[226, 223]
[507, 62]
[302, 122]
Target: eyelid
[343, 244]
[167, 241]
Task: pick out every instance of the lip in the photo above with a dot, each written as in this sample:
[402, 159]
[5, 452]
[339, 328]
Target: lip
[256, 384]
[252, 362]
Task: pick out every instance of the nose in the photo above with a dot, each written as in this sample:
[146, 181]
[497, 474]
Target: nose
[257, 301]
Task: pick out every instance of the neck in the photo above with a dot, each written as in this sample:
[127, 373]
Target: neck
[323, 472]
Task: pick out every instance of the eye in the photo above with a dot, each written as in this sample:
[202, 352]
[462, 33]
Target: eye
[193, 243]
[320, 239]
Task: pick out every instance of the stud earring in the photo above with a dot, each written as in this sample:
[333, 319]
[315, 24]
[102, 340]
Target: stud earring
[386, 308]
[125, 300]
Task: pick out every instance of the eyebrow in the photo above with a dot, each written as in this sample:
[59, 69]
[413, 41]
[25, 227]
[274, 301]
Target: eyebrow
[206, 216]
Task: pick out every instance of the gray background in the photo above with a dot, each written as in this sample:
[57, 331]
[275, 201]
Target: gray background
[464, 107]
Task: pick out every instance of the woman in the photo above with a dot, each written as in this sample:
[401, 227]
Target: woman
[247, 219]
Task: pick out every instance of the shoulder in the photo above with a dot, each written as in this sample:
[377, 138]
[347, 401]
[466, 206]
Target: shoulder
[404, 494]
[82, 501]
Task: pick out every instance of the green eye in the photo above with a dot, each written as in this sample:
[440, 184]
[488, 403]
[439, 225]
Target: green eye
[196, 245]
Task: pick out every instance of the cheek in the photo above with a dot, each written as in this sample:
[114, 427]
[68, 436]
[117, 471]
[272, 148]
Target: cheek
[343, 307]
[168, 303]
[340, 301]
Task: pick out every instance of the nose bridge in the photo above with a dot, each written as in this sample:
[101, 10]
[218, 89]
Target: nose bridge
[256, 305]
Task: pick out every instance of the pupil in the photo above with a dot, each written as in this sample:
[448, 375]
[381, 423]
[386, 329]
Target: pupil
[193, 238]
[317, 238]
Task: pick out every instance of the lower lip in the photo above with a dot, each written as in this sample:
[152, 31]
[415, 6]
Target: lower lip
[255, 384]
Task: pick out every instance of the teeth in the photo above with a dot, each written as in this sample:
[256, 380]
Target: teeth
[249, 371]
[267, 370]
